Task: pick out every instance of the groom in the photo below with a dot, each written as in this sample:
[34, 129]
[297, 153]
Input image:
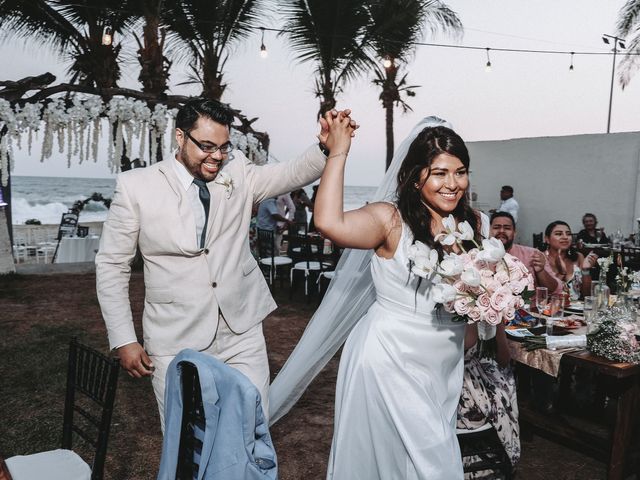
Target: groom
[189, 218]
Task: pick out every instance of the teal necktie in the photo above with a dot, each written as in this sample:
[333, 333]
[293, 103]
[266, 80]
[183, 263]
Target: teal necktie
[205, 198]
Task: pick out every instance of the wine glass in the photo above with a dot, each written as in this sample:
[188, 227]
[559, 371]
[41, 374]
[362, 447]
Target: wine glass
[542, 299]
[556, 311]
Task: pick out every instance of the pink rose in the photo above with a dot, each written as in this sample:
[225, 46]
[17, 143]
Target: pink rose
[500, 298]
[474, 314]
[491, 316]
[509, 314]
[501, 276]
[483, 301]
[462, 306]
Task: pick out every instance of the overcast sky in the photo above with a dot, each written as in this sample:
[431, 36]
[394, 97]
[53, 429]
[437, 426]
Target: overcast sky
[525, 95]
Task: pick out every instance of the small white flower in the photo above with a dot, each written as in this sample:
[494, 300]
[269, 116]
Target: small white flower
[466, 232]
[492, 250]
[449, 237]
[443, 293]
[424, 259]
[471, 276]
[226, 181]
[451, 265]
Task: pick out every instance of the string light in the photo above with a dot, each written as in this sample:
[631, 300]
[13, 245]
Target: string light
[571, 66]
[107, 36]
[387, 62]
[263, 48]
[487, 67]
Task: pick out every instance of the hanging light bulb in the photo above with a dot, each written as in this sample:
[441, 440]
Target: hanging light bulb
[107, 36]
[571, 66]
[487, 67]
[387, 62]
[263, 48]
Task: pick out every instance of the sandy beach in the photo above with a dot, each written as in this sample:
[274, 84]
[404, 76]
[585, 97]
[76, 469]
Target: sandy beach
[41, 312]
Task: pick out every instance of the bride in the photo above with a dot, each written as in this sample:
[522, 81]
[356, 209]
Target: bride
[401, 368]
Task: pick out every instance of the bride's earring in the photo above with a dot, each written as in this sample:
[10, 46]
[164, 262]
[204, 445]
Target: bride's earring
[417, 186]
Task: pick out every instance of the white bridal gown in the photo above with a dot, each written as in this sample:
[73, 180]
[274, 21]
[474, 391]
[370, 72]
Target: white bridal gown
[398, 384]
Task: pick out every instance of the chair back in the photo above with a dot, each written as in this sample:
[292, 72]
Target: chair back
[193, 424]
[538, 240]
[266, 245]
[630, 257]
[92, 379]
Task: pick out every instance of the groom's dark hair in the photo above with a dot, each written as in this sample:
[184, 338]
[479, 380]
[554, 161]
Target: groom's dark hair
[203, 107]
[431, 142]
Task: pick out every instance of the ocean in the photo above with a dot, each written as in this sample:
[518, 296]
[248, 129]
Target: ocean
[47, 198]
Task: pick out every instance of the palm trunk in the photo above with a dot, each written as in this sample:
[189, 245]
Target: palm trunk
[388, 109]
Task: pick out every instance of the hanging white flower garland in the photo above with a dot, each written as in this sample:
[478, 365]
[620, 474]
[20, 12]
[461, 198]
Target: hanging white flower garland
[80, 126]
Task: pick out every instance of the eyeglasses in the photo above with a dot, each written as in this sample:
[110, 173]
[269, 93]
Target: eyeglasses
[224, 149]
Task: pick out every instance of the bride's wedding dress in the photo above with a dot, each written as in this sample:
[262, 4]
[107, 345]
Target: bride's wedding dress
[399, 382]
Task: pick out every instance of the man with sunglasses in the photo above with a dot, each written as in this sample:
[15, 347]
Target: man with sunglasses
[189, 218]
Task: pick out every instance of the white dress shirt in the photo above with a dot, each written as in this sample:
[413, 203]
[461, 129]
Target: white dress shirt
[510, 206]
[186, 180]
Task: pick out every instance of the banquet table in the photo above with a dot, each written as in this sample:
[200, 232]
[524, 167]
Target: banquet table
[620, 383]
[77, 249]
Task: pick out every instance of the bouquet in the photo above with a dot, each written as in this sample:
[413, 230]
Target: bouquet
[482, 284]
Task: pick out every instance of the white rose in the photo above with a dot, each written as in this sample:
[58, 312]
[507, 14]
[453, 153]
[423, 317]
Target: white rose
[443, 293]
[492, 250]
[471, 277]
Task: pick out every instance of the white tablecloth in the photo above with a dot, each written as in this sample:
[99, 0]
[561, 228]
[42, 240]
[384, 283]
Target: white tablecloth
[73, 249]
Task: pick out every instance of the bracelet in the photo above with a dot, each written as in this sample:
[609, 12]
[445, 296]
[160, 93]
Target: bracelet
[337, 155]
[585, 272]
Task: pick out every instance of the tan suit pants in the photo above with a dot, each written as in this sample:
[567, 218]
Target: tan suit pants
[246, 352]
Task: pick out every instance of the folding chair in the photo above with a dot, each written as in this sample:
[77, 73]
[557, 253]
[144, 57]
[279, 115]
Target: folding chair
[91, 391]
[193, 424]
[482, 450]
[313, 260]
[630, 257]
[268, 255]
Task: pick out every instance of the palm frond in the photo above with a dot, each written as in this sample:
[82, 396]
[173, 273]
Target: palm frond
[628, 17]
[38, 21]
[631, 60]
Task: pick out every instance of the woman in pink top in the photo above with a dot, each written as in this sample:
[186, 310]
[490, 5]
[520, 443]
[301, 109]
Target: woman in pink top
[568, 266]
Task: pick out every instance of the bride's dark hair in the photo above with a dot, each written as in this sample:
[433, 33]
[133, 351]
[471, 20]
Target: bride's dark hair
[430, 142]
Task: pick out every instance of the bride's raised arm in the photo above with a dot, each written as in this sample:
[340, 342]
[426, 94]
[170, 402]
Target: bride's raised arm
[363, 228]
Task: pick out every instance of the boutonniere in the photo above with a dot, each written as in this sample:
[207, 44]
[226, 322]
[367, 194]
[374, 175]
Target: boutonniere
[226, 181]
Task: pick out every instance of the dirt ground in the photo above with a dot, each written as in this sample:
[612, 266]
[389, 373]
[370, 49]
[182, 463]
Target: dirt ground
[38, 315]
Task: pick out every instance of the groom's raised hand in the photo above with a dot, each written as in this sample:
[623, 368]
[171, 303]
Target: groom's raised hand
[328, 119]
[135, 360]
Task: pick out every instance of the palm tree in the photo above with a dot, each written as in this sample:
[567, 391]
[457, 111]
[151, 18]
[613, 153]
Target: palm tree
[208, 29]
[73, 29]
[332, 34]
[395, 28]
[154, 65]
[628, 27]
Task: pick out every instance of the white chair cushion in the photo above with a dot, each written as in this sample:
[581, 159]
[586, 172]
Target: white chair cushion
[329, 275]
[276, 260]
[482, 428]
[58, 464]
[303, 266]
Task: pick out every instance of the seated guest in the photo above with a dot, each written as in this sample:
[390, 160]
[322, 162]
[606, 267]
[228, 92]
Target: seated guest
[591, 234]
[489, 391]
[503, 227]
[569, 267]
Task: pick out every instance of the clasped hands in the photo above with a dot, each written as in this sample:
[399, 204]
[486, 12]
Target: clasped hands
[336, 130]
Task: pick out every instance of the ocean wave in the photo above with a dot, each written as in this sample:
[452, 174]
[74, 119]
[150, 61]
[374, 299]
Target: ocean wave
[51, 212]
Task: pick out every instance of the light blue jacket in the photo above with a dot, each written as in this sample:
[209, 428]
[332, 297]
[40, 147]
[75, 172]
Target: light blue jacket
[236, 440]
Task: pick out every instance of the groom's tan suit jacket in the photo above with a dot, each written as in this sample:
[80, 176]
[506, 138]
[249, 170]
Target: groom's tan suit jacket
[186, 286]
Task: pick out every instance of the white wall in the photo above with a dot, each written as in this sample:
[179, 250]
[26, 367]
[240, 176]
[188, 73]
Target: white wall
[561, 178]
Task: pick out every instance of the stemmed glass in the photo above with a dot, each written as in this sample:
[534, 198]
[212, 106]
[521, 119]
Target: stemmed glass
[542, 300]
[556, 311]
